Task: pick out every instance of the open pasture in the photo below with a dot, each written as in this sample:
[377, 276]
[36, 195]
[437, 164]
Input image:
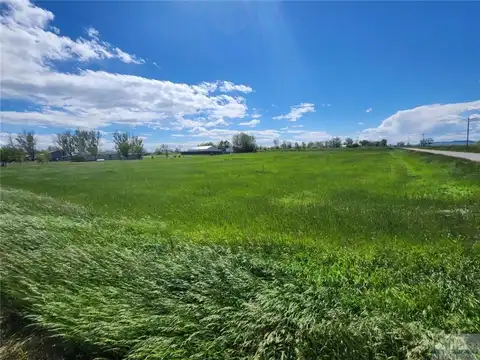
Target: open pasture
[280, 255]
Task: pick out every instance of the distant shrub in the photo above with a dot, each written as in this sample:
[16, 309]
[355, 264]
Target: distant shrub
[78, 158]
[43, 156]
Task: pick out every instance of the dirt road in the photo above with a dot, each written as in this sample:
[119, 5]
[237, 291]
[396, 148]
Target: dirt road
[457, 154]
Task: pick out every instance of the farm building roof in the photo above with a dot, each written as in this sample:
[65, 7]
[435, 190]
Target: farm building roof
[203, 148]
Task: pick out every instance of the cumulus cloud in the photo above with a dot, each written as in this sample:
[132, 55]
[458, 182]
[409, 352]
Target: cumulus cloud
[28, 40]
[368, 110]
[297, 111]
[87, 98]
[251, 123]
[435, 120]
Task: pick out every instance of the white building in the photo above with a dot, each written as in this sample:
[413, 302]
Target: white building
[203, 150]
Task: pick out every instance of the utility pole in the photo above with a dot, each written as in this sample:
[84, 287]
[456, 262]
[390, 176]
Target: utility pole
[468, 129]
[423, 139]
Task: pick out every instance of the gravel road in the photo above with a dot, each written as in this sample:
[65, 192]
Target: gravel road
[457, 154]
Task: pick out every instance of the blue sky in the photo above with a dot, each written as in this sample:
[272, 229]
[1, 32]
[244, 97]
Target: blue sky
[182, 73]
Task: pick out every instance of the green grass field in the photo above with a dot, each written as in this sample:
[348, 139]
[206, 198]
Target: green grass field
[303, 255]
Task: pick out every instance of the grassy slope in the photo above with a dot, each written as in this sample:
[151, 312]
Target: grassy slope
[387, 254]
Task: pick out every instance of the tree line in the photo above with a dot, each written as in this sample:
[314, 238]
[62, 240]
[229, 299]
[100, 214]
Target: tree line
[241, 143]
[23, 147]
[76, 145]
[81, 143]
[334, 142]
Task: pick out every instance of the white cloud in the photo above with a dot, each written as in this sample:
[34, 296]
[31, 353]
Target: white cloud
[219, 122]
[221, 86]
[127, 58]
[360, 123]
[297, 111]
[326, 105]
[27, 40]
[297, 126]
[227, 86]
[255, 116]
[368, 110]
[434, 120]
[92, 32]
[87, 98]
[251, 123]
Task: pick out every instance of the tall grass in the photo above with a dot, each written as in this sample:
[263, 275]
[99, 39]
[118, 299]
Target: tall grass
[116, 284]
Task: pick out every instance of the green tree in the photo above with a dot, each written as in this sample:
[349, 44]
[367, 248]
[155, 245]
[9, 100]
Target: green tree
[10, 153]
[136, 146]
[400, 143]
[93, 143]
[43, 156]
[348, 142]
[304, 145]
[243, 142]
[383, 142]
[224, 144]
[335, 142]
[208, 143]
[80, 140]
[297, 146]
[28, 142]
[276, 143]
[65, 141]
[164, 149]
[426, 142]
[289, 145]
[122, 143]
